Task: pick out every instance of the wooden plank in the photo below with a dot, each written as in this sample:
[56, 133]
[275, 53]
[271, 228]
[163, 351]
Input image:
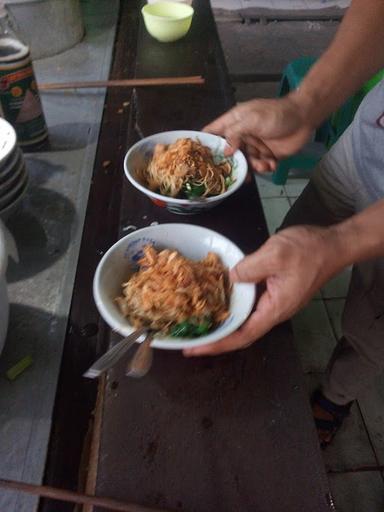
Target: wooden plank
[214, 434]
[207, 434]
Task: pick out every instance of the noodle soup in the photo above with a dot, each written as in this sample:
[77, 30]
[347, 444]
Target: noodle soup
[182, 245]
[176, 296]
[184, 171]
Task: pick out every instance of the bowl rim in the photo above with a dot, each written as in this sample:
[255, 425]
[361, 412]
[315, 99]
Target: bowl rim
[14, 174]
[14, 191]
[3, 251]
[174, 200]
[8, 209]
[10, 142]
[178, 343]
[144, 11]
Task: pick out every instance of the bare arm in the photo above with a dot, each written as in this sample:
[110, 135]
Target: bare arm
[362, 236]
[272, 129]
[355, 55]
[294, 264]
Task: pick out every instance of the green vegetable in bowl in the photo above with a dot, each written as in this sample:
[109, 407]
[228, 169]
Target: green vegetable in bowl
[229, 180]
[191, 329]
[192, 189]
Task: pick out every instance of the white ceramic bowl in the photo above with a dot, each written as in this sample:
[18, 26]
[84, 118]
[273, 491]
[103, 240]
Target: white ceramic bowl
[194, 242]
[13, 192]
[13, 176]
[4, 304]
[139, 154]
[8, 168]
[10, 208]
[7, 140]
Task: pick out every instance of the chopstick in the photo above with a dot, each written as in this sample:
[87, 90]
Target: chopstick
[74, 497]
[134, 82]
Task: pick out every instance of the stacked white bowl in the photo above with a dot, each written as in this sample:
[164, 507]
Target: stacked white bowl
[4, 305]
[13, 175]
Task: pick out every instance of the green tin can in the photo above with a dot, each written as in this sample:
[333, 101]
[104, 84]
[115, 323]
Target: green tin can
[19, 96]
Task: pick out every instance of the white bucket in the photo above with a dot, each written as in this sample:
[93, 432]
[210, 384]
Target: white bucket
[48, 26]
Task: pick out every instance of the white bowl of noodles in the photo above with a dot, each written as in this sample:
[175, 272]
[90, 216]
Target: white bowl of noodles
[190, 192]
[120, 264]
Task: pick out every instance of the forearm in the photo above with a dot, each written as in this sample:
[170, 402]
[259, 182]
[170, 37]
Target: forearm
[354, 56]
[359, 238]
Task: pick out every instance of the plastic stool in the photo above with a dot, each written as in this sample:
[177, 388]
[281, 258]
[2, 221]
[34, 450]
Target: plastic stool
[305, 160]
[329, 132]
[292, 76]
[294, 73]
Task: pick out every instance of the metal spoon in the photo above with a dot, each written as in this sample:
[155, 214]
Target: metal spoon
[141, 362]
[113, 356]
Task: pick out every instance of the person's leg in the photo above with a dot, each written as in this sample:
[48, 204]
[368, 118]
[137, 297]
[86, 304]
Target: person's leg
[335, 193]
[359, 357]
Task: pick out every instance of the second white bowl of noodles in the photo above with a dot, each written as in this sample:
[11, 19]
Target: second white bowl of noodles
[139, 155]
[194, 242]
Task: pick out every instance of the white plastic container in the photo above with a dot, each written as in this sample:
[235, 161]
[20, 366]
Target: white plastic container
[4, 303]
[49, 26]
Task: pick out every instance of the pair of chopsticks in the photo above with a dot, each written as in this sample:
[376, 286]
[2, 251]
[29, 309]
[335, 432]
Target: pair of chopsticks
[134, 82]
[53, 493]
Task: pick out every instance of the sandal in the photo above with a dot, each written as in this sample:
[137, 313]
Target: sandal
[328, 417]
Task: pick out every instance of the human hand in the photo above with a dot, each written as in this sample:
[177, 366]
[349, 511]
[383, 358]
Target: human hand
[294, 264]
[267, 129]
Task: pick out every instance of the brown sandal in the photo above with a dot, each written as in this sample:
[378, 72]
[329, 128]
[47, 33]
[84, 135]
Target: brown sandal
[327, 428]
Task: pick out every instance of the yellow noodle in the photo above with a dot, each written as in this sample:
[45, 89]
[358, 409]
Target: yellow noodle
[169, 289]
[185, 161]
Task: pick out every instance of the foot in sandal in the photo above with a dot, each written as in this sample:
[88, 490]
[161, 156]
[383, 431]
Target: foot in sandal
[328, 417]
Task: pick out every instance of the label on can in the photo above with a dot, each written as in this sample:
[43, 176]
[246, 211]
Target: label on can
[20, 101]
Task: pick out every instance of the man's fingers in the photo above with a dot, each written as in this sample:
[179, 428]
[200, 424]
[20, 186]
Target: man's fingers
[220, 125]
[260, 322]
[256, 147]
[229, 150]
[253, 268]
[262, 165]
[233, 138]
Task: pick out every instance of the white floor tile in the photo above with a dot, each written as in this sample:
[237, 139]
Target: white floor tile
[292, 200]
[335, 308]
[295, 186]
[337, 287]
[275, 209]
[267, 188]
[313, 335]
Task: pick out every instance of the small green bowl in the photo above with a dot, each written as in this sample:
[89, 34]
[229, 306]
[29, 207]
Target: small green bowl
[167, 21]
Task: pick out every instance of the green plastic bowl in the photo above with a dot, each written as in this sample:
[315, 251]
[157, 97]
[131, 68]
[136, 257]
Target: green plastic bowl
[167, 21]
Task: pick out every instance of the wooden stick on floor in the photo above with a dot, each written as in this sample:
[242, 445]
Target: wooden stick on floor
[53, 493]
[134, 82]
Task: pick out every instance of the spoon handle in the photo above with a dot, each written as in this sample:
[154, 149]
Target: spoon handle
[112, 356]
[141, 362]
